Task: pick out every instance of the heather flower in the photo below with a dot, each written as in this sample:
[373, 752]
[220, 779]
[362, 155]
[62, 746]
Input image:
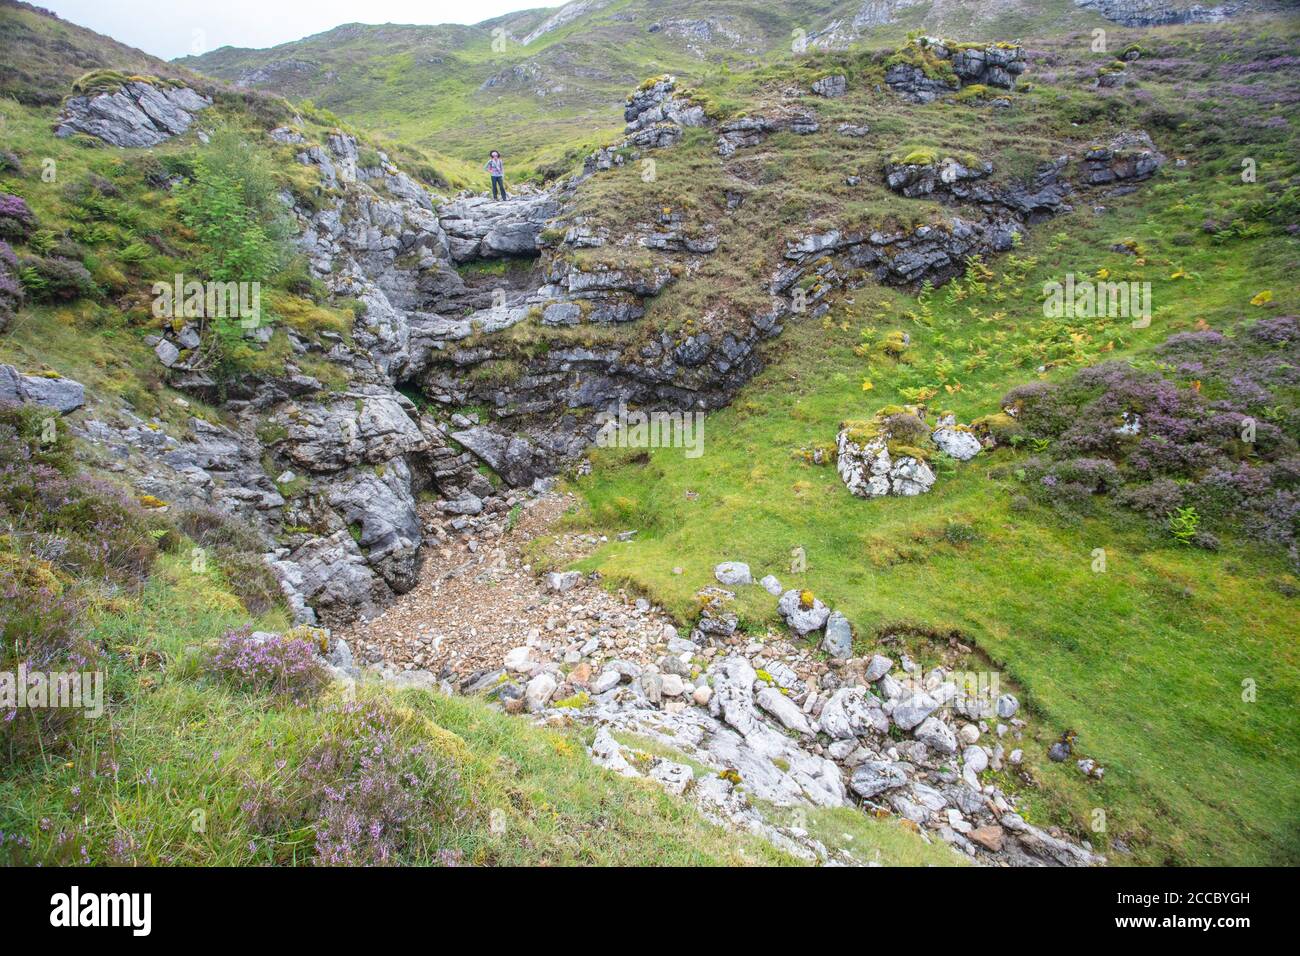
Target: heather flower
[269, 663]
[1282, 330]
[16, 219]
[371, 798]
[1223, 445]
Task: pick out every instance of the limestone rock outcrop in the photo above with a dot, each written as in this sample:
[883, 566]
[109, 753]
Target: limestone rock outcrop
[138, 114]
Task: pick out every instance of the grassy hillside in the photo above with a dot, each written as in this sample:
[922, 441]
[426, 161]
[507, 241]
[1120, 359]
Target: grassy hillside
[199, 761]
[44, 55]
[1146, 661]
[195, 760]
[547, 104]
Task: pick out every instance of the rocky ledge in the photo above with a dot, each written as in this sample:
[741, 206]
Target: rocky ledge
[141, 113]
[928, 68]
[59, 394]
[1159, 13]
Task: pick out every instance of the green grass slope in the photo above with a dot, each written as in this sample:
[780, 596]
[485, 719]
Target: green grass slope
[187, 766]
[43, 55]
[1146, 661]
[545, 105]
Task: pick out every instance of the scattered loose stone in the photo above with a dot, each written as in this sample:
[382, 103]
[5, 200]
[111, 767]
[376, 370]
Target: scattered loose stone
[877, 668]
[874, 777]
[989, 837]
[539, 691]
[562, 581]
[838, 641]
[975, 758]
[933, 732]
[733, 573]
[913, 710]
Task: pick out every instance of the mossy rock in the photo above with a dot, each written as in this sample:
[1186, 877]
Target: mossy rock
[898, 450]
[861, 431]
[109, 81]
[1000, 426]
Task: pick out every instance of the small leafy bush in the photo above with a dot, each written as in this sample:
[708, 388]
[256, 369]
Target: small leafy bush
[1184, 524]
[232, 205]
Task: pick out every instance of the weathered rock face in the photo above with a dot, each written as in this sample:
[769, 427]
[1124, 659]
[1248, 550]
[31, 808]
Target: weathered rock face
[328, 577]
[946, 174]
[991, 217]
[996, 65]
[370, 428]
[1129, 157]
[1153, 13]
[1045, 195]
[513, 458]
[659, 103]
[63, 395]
[211, 466]
[936, 253]
[936, 69]
[351, 461]
[137, 115]
[751, 130]
[378, 502]
[656, 115]
[482, 228]
[832, 86]
[912, 83]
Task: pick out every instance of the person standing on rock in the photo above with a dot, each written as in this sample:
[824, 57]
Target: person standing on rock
[497, 169]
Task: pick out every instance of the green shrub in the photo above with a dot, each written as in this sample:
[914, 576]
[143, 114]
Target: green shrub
[56, 279]
[1184, 524]
[232, 205]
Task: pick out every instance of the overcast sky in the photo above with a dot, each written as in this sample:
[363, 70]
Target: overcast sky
[183, 27]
